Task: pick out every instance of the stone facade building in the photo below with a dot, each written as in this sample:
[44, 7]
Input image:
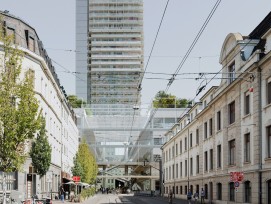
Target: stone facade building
[228, 132]
[60, 119]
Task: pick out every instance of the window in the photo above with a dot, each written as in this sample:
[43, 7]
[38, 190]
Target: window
[218, 156]
[181, 146]
[191, 166]
[211, 127]
[246, 103]
[269, 91]
[232, 152]
[269, 141]
[185, 170]
[206, 161]
[11, 32]
[232, 112]
[173, 152]
[177, 171]
[218, 120]
[247, 147]
[205, 130]
[185, 144]
[191, 140]
[31, 44]
[231, 72]
[166, 173]
[269, 191]
[247, 186]
[185, 190]
[232, 191]
[176, 149]
[181, 189]
[197, 170]
[206, 190]
[173, 171]
[169, 173]
[197, 136]
[181, 169]
[169, 153]
[219, 191]
[177, 190]
[197, 188]
[211, 159]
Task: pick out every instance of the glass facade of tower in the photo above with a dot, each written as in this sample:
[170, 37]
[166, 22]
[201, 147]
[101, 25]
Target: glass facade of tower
[114, 51]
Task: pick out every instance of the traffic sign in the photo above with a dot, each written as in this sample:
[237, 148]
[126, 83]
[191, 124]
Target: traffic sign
[76, 178]
[236, 184]
[236, 176]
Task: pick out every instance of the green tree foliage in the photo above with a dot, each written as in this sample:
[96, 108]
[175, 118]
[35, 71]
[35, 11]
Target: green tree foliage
[164, 100]
[19, 109]
[88, 163]
[75, 102]
[77, 169]
[41, 151]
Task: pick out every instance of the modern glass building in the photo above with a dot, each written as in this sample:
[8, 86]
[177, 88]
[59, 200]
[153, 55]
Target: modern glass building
[109, 45]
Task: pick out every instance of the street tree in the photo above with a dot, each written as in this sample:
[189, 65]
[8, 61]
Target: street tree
[41, 151]
[87, 161]
[19, 109]
[77, 169]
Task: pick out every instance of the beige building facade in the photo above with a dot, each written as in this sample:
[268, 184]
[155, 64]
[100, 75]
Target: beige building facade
[229, 131]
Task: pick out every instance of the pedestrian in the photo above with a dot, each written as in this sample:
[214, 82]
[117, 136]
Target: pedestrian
[189, 196]
[202, 196]
[170, 196]
[196, 196]
[62, 193]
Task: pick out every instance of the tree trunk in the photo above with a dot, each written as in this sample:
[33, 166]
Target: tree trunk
[4, 188]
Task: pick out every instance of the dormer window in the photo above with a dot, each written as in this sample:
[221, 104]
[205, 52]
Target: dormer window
[231, 73]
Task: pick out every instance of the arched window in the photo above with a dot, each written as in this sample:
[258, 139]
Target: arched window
[269, 191]
[231, 191]
[206, 190]
[247, 186]
[219, 191]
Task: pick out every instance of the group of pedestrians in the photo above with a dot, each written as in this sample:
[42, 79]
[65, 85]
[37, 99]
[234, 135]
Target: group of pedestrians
[190, 195]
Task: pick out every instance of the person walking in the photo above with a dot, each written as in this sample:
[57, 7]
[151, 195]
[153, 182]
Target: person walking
[189, 196]
[170, 196]
[196, 196]
[62, 193]
[202, 195]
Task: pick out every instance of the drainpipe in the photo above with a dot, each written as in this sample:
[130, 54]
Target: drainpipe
[260, 132]
[188, 169]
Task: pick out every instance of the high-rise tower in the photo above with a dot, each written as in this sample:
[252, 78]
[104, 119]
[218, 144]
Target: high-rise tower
[109, 44]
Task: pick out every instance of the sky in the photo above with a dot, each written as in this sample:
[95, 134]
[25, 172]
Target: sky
[54, 22]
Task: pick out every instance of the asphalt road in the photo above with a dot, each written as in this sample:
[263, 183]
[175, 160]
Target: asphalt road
[129, 199]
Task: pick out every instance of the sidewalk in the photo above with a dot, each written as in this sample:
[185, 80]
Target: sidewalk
[97, 198]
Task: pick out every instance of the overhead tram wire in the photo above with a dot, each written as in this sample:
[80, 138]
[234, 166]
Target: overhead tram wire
[66, 70]
[141, 78]
[204, 86]
[171, 80]
[193, 43]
